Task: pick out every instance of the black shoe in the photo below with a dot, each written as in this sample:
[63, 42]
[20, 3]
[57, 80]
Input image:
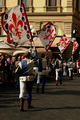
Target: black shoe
[37, 91]
[21, 104]
[56, 84]
[60, 82]
[21, 109]
[42, 92]
[30, 107]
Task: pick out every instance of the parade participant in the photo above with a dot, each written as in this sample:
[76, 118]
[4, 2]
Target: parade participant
[64, 68]
[42, 64]
[70, 68]
[58, 68]
[25, 69]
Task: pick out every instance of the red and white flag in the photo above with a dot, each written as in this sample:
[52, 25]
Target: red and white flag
[15, 24]
[75, 46]
[63, 43]
[47, 35]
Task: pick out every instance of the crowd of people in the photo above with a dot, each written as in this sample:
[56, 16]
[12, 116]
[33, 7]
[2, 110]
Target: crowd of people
[9, 63]
[7, 68]
[20, 70]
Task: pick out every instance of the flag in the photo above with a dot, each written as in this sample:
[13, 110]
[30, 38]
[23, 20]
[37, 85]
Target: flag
[75, 46]
[63, 43]
[47, 35]
[15, 24]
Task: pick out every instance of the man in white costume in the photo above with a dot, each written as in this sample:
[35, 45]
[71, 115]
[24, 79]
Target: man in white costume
[70, 68]
[26, 79]
[58, 68]
[42, 72]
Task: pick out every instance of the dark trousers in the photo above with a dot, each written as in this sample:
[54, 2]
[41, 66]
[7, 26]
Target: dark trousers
[59, 75]
[29, 85]
[43, 80]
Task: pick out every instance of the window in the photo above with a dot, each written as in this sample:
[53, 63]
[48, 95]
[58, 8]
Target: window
[0, 3]
[77, 4]
[52, 2]
[25, 2]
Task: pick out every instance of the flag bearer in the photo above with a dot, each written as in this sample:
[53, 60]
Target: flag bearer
[26, 79]
[58, 68]
[70, 68]
[42, 64]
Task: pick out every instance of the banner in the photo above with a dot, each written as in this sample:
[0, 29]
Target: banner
[75, 46]
[15, 24]
[47, 35]
[63, 43]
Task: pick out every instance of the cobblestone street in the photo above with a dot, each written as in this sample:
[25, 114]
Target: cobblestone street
[58, 103]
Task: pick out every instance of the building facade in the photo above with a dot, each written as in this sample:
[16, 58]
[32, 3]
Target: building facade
[64, 14]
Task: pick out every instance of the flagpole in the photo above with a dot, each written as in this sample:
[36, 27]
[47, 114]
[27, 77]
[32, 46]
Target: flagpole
[33, 32]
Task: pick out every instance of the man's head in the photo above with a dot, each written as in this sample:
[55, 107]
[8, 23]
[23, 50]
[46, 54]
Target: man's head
[43, 55]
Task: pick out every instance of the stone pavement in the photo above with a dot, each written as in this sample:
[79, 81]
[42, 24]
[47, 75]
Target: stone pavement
[58, 103]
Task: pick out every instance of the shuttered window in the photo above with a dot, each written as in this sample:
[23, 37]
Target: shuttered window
[77, 4]
[0, 3]
[25, 2]
[52, 2]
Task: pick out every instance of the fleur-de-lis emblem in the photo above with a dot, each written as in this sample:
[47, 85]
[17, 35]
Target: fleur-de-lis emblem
[63, 42]
[16, 26]
[48, 34]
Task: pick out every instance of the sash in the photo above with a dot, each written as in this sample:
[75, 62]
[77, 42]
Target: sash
[57, 64]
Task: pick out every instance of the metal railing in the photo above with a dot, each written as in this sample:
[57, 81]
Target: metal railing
[51, 8]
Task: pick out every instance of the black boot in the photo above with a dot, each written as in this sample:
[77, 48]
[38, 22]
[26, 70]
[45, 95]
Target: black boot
[37, 91]
[69, 77]
[60, 82]
[21, 104]
[42, 89]
[29, 103]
